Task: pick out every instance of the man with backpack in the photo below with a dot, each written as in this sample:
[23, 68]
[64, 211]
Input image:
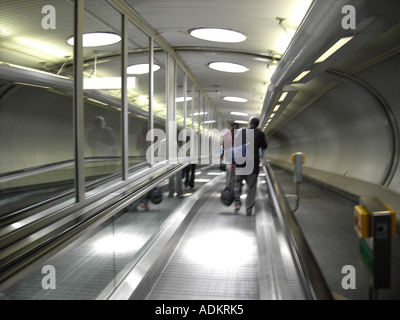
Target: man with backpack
[257, 142]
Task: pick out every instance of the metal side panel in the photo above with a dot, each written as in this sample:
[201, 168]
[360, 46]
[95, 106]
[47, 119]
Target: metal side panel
[278, 276]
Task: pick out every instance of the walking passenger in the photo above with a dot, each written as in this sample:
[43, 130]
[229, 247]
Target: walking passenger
[227, 148]
[101, 139]
[251, 179]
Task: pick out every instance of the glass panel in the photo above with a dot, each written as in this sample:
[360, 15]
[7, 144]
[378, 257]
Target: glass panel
[192, 148]
[196, 109]
[213, 118]
[102, 92]
[201, 128]
[142, 220]
[160, 103]
[196, 119]
[36, 78]
[190, 104]
[206, 122]
[138, 97]
[207, 118]
[180, 97]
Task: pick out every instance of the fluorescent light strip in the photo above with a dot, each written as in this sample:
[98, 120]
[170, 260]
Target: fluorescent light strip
[277, 108]
[239, 114]
[182, 99]
[241, 121]
[283, 96]
[44, 47]
[333, 49]
[302, 75]
[198, 114]
[108, 83]
[235, 99]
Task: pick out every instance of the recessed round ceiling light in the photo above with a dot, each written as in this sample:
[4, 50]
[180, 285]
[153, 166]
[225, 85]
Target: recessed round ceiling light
[235, 99]
[218, 35]
[97, 39]
[228, 67]
[141, 68]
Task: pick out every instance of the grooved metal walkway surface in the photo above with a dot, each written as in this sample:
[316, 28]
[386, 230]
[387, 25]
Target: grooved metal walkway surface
[217, 258]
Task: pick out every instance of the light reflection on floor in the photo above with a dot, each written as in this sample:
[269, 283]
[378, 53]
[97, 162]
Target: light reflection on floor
[221, 248]
[119, 243]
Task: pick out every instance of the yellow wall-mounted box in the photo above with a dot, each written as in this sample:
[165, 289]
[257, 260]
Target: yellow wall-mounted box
[361, 221]
[393, 219]
[293, 158]
[298, 153]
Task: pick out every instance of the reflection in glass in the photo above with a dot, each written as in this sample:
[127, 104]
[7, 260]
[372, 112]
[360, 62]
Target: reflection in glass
[180, 97]
[36, 131]
[138, 97]
[160, 100]
[102, 105]
[190, 103]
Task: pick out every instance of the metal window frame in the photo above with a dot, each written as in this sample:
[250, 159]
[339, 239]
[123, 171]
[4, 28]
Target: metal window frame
[78, 104]
[124, 84]
[173, 61]
[151, 98]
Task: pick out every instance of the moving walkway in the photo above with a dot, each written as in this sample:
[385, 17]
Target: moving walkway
[184, 248]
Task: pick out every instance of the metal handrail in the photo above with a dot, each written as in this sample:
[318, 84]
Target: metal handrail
[23, 173]
[9, 217]
[313, 282]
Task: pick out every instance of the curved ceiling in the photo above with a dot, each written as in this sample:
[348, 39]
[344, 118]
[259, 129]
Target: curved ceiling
[268, 24]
